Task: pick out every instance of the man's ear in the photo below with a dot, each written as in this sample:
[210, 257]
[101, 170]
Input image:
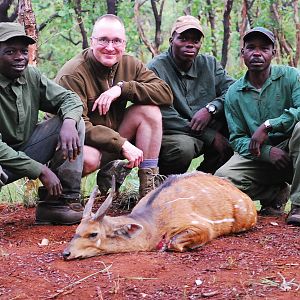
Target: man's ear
[274, 52]
[171, 40]
[242, 51]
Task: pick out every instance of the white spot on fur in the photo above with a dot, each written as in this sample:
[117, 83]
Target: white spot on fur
[98, 243]
[195, 222]
[229, 220]
[180, 199]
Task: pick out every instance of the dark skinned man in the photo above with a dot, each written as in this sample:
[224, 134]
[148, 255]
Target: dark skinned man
[195, 123]
[263, 112]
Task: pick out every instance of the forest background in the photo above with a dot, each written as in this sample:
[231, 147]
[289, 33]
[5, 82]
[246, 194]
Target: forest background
[63, 28]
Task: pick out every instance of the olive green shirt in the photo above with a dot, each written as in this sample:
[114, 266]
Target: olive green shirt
[21, 100]
[246, 108]
[205, 82]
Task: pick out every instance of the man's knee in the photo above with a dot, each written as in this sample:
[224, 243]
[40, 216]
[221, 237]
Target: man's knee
[221, 172]
[148, 113]
[92, 159]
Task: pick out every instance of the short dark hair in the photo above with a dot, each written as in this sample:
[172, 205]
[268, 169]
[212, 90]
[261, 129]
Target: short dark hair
[110, 17]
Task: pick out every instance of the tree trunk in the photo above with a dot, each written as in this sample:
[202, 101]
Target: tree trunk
[77, 9]
[283, 43]
[27, 18]
[226, 23]
[212, 22]
[297, 26]
[112, 6]
[153, 48]
[5, 6]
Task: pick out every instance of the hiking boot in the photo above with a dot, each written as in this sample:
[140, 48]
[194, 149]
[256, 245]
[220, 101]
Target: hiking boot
[149, 180]
[276, 208]
[293, 217]
[104, 176]
[58, 210]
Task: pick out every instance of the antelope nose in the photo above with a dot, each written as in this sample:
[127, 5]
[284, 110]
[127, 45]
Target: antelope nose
[66, 254]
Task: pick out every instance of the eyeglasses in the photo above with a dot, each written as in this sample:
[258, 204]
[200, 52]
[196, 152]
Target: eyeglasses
[105, 42]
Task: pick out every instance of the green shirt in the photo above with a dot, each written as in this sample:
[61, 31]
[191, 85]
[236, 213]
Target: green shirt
[246, 108]
[205, 82]
[21, 100]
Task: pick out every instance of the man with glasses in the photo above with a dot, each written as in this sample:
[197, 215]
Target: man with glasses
[195, 123]
[106, 79]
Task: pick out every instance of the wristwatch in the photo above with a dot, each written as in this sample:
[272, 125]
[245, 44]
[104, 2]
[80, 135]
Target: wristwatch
[120, 84]
[211, 108]
[268, 126]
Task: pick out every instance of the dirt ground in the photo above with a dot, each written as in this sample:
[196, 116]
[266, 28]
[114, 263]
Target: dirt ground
[263, 263]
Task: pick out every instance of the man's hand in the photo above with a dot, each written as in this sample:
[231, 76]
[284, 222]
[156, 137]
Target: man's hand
[69, 140]
[222, 146]
[133, 154]
[50, 182]
[105, 99]
[200, 120]
[279, 158]
[257, 139]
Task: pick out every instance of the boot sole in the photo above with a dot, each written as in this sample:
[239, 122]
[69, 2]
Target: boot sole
[40, 222]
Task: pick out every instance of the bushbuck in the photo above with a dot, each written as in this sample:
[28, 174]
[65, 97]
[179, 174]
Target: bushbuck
[184, 213]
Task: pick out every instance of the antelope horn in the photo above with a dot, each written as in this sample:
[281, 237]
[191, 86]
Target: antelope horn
[89, 205]
[107, 203]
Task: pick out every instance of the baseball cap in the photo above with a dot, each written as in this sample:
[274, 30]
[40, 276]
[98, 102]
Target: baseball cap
[10, 30]
[186, 22]
[269, 34]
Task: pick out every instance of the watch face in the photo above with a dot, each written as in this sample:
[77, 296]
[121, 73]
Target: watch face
[211, 108]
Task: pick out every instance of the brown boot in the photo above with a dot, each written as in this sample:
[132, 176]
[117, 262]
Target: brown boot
[149, 180]
[293, 217]
[276, 208]
[57, 210]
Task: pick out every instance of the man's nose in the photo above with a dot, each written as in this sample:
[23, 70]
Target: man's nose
[110, 46]
[19, 55]
[256, 51]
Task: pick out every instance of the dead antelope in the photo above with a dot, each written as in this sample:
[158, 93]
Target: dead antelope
[185, 212]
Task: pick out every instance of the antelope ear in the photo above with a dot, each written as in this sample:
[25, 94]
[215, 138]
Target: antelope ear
[128, 231]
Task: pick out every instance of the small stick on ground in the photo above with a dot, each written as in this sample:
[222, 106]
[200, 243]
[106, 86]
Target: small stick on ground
[77, 282]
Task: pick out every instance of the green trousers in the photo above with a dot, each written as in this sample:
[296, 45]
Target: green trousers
[261, 180]
[178, 150]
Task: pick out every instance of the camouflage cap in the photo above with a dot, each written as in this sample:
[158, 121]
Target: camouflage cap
[10, 30]
[261, 30]
[186, 22]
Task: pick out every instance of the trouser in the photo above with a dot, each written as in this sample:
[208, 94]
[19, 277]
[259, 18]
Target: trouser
[261, 180]
[178, 150]
[42, 147]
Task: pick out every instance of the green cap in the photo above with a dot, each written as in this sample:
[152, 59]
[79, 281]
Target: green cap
[10, 30]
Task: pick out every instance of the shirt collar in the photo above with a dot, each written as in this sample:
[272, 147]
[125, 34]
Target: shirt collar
[192, 72]
[4, 81]
[97, 66]
[275, 74]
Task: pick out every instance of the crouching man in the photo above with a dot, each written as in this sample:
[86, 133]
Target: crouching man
[263, 113]
[26, 146]
[107, 80]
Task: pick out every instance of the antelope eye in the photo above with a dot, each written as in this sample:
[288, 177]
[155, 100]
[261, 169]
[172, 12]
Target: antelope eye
[93, 234]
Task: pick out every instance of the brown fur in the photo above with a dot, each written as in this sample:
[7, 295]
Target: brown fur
[185, 212]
